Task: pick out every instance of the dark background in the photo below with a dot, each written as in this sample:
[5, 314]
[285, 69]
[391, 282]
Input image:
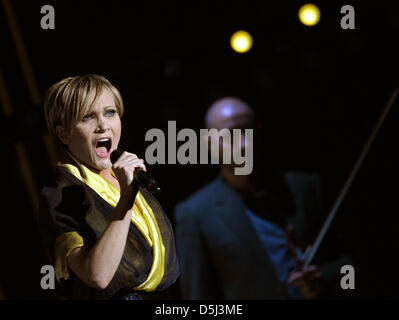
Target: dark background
[319, 91]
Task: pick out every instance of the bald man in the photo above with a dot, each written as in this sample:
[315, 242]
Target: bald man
[235, 236]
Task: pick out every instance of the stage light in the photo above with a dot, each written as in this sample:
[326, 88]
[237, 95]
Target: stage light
[309, 14]
[241, 41]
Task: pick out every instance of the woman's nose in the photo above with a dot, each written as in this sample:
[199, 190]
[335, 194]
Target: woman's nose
[102, 124]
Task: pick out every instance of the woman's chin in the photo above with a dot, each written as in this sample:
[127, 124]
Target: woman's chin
[104, 164]
[100, 164]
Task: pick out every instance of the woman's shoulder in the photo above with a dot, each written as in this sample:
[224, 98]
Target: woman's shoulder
[62, 179]
[64, 205]
[64, 194]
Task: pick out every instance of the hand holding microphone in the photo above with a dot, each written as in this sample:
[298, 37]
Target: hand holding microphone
[128, 165]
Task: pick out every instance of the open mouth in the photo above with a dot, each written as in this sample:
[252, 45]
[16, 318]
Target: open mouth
[103, 147]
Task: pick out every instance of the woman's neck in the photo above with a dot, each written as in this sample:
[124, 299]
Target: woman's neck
[107, 175]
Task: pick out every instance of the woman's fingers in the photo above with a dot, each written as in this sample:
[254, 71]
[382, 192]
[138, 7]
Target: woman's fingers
[124, 169]
[125, 156]
[129, 159]
[131, 163]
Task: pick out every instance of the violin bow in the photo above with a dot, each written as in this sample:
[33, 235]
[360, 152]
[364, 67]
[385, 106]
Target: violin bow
[311, 250]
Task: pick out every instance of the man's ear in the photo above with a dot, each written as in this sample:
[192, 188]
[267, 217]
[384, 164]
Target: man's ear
[62, 134]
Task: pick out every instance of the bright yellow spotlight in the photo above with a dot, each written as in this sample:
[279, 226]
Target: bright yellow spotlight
[241, 41]
[309, 14]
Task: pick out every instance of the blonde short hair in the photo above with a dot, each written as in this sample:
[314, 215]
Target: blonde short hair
[68, 101]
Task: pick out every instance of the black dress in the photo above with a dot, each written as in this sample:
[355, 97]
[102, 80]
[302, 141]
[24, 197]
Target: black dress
[71, 205]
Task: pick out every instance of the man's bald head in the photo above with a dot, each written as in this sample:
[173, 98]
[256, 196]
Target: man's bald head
[230, 113]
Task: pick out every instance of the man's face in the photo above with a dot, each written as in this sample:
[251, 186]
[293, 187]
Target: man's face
[231, 117]
[94, 137]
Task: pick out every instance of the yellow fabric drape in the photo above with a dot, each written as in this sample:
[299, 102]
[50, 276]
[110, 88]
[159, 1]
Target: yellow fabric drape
[142, 217]
[64, 244]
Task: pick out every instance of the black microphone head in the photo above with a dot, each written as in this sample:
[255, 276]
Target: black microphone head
[115, 155]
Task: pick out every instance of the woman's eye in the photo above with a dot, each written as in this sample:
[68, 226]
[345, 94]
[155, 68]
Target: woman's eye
[110, 113]
[88, 117]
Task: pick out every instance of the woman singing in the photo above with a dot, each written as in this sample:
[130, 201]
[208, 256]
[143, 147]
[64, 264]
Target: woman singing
[106, 237]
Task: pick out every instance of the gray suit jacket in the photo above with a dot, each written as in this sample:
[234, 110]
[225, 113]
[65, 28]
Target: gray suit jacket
[220, 253]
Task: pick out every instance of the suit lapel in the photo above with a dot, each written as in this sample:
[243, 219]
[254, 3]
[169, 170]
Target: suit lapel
[230, 209]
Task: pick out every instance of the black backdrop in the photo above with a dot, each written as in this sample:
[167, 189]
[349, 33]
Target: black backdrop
[318, 90]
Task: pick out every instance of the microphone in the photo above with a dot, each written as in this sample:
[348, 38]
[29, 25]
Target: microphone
[142, 177]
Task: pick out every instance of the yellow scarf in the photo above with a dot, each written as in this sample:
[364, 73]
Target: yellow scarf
[142, 217]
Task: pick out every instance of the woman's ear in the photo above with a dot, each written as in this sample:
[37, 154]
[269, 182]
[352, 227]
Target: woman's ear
[62, 134]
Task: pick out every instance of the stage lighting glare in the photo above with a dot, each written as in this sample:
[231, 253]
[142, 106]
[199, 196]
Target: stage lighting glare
[309, 14]
[241, 41]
